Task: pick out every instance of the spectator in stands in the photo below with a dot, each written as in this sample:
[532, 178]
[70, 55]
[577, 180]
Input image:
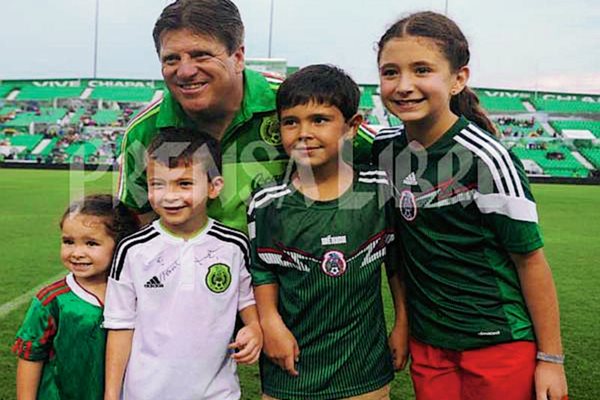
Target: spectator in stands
[201, 50]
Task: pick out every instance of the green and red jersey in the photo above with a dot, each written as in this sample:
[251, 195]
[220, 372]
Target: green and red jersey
[62, 329]
[326, 258]
[464, 206]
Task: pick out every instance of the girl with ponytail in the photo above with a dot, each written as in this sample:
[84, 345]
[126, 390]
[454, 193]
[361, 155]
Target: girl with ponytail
[482, 306]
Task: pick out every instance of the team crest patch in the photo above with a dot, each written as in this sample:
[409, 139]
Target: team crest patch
[408, 205]
[333, 263]
[218, 278]
[269, 130]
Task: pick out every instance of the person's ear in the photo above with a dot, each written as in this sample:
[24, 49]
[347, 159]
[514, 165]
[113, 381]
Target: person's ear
[239, 59]
[460, 81]
[353, 124]
[215, 185]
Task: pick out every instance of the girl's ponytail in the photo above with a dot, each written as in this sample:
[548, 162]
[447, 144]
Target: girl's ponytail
[467, 103]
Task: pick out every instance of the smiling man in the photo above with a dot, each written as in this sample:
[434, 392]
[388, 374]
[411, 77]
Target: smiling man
[200, 44]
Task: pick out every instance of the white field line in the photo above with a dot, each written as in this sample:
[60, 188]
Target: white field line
[17, 302]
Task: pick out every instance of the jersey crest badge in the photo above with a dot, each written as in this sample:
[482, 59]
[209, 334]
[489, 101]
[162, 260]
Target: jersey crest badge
[408, 205]
[333, 263]
[269, 130]
[218, 278]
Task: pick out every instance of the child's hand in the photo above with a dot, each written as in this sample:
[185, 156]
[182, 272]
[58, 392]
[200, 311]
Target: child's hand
[550, 381]
[398, 342]
[248, 341]
[281, 346]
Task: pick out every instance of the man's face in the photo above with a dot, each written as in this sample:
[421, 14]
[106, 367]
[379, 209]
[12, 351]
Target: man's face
[199, 72]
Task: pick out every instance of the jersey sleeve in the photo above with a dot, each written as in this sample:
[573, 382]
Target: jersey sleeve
[262, 273]
[507, 205]
[394, 261]
[362, 145]
[121, 301]
[35, 336]
[246, 295]
[133, 188]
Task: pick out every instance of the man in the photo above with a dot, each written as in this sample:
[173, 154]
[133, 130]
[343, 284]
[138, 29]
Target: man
[201, 50]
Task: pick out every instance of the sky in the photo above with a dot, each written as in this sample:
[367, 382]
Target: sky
[546, 45]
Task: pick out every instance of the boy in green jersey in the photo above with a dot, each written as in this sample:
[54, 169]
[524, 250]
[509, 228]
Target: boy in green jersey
[318, 241]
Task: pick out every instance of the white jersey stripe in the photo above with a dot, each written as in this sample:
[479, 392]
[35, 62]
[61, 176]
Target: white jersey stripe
[374, 172]
[506, 156]
[493, 153]
[264, 192]
[388, 135]
[266, 198]
[485, 159]
[374, 180]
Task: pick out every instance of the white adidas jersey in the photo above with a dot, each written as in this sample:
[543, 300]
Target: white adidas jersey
[181, 297]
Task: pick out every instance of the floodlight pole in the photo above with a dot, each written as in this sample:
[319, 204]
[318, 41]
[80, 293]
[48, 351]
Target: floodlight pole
[96, 38]
[271, 28]
[446, 9]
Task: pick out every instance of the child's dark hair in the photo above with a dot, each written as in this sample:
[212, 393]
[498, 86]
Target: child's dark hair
[323, 84]
[119, 220]
[455, 48]
[176, 146]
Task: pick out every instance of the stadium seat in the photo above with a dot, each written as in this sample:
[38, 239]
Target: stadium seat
[592, 126]
[48, 93]
[561, 106]
[123, 94]
[501, 104]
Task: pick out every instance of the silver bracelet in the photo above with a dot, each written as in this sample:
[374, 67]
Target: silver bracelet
[551, 358]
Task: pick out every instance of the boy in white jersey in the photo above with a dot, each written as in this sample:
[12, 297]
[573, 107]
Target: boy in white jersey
[176, 286]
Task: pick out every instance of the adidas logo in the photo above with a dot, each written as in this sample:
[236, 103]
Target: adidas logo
[410, 180]
[153, 283]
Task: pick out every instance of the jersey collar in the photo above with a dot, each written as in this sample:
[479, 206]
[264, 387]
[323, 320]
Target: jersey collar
[170, 236]
[81, 292]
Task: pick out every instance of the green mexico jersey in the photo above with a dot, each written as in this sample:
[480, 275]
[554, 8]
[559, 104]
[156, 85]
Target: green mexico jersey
[62, 329]
[251, 148]
[326, 258]
[464, 205]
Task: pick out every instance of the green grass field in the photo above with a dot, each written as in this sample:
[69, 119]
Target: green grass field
[32, 203]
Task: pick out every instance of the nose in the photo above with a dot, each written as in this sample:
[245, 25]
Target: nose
[187, 68]
[305, 132]
[404, 84]
[170, 195]
[78, 251]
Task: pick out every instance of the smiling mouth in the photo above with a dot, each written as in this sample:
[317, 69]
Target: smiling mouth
[408, 102]
[173, 209]
[191, 86]
[81, 265]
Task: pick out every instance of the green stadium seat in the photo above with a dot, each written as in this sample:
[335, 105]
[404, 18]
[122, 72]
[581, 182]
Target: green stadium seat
[47, 115]
[592, 154]
[592, 126]
[569, 166]
[107, 117]
[48, 93]
[523, 131]
[393, 120]
[5, 90]
[562, 106]
[366, 101]
[373, 120]
[501, 104]
[130, 94]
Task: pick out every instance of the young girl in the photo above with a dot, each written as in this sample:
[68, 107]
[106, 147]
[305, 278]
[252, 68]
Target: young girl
[482, 306]
[61, 343]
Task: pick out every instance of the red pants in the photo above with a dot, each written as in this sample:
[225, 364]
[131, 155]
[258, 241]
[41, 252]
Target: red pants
[500, 372]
